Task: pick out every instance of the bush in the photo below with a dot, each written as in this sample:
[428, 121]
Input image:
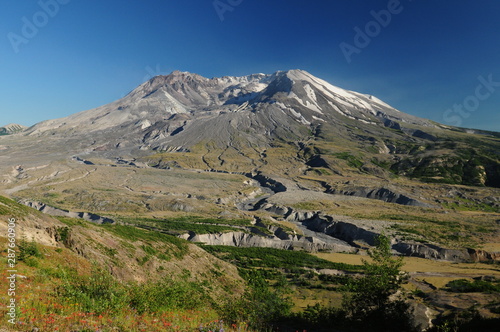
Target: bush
[466, 321]
[167, 294]
[99, 292]
[31, 261]
[260, 305]
[28, 249]
[466, 286]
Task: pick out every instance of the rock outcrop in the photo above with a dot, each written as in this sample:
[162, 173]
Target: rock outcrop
[287, 242]
[431, 251]
[382, 194]
[64, 213]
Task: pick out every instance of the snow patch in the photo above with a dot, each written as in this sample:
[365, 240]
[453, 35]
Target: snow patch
[296, 114]
[307, 103]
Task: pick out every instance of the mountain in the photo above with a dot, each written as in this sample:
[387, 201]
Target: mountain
[233, 121]
[11, 129]
[176, 111]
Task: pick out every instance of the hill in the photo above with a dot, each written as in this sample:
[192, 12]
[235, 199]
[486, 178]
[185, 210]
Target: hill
[11, 129]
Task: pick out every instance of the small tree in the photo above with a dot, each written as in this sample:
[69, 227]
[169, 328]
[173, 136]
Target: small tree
[261, 305]
[372, 301]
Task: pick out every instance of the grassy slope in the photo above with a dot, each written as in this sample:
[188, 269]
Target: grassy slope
[133, 256]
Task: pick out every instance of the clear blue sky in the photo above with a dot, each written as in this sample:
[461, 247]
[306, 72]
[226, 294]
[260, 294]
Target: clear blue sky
[91, 52]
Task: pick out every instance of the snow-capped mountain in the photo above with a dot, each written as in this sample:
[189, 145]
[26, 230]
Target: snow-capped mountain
[177, 111]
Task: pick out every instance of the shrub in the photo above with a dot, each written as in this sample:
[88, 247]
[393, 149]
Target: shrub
[466, 286]
[28, 249]
[99, 292]
[31, 261]
[260, 305]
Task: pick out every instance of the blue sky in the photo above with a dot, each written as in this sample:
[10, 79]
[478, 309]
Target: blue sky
[426, 58]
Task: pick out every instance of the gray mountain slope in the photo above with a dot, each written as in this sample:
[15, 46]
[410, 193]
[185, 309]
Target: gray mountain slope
[178, 111]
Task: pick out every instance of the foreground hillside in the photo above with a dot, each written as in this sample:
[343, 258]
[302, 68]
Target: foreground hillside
[76, 275]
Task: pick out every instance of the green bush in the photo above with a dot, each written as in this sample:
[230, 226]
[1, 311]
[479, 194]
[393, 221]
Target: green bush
[479, 286]
[167, 294]
[275, 258]
[261, 306]
[28, 249]
[31, 261]
[99, 292]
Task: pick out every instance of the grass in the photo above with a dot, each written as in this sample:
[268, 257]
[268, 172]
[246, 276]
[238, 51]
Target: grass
[351, 160]
[461, 204]
[64, 293]
[132, 233]
[274, 258]
[453, 229]
[11, 208]
[214, 221]
[180, 227]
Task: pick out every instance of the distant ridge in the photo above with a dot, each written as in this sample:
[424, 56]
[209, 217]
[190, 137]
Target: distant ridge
[12, 129]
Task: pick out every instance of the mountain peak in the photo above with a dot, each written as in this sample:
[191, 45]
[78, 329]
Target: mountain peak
[178, 76]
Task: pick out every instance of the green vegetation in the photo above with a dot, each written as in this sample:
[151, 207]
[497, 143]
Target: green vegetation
[72, 221]
[274, 258]
[381, 163]
[369, 304]
[135, 234]
[195, 224]
[63, 234]
[370, 301]
[261, 305]
[464, 321]
[214, 221]
[463, 204]
[28, 250]
[101, 293]
[12, 209]
[352, 161]
[467, 286]
[467, 164]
